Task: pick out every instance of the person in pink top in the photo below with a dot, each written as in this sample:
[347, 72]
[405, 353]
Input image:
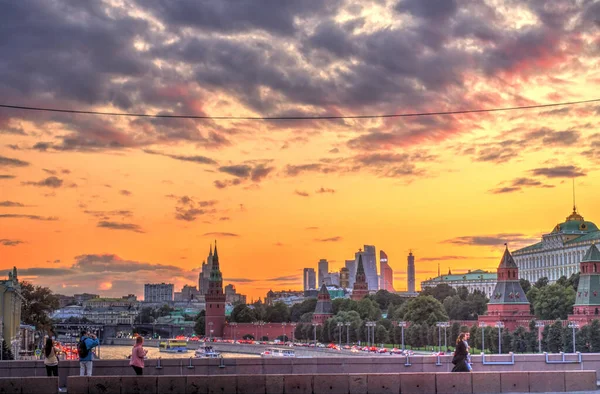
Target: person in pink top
[137, 356]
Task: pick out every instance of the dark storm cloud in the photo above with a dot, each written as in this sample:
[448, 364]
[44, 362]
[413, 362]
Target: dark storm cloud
[32, 217]
[518, 184]
[11, 204]
[331, 239]
[193, 159]
[10, 242]
[10, 162]
[228, 16]
[220, 234]
[491, 240]
[120, 226]
[428, 9]
[53, 182]
[559, 172]
[325, 190]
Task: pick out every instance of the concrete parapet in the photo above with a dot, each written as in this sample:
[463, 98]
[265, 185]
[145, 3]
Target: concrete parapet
[196, 384]
[274, 383]
[453, 383]
[580, 381]
[104, 384]
[417, 383]
[139, 384]
[10, 386]
[357, 384]
[486, 382]
[383, 383]
[170, 384]
[333, 384]
[514, 382]
[298, 384]
[78, 384]
[222, 384]
[544, 381]
[251, 384]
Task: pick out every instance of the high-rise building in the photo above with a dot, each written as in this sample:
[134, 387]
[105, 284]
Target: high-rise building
[10, 299]
[351, 265]
[361, 287]
[323, 267]
[215, 300]
[369, 259]
[410, 270]
[344, 278]
[158, 292]
[332, 279]
[204, 275]
[386, 274]
[232, 296]
[310, 280]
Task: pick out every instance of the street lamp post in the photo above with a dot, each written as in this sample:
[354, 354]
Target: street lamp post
[499, 325]
[370, 332]
[539, 325]
[347, 324]
[482, 325]
[210, 325]
[283, 336]
[573, 325]
[293, 332]
[234, 325]
[315, 332]
[440, 325]
[402, 324]
[339, 326]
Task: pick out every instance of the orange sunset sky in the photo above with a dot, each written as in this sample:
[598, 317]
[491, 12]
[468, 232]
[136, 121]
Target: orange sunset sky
[104, 204]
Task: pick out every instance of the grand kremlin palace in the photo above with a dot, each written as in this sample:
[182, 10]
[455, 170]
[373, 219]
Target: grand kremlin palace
[559, 252]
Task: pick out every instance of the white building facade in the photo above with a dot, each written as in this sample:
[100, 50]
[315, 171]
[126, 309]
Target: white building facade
[483, 281]
[559, 252]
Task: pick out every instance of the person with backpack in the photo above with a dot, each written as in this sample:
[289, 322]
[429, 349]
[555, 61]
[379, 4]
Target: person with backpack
[86, 343]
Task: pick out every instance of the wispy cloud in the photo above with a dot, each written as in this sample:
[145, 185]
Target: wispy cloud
[120, 226]
[10, 162]
[10, 242]
[53, 182]
[301, 193]
[331, 239]
[11, 204]
[32, 217]
[219, 234]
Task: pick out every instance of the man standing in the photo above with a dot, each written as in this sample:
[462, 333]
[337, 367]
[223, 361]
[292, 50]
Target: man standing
[87, 342]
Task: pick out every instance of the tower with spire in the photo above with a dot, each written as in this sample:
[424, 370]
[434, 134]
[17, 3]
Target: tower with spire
[508, 303]
[204, 274]
[323, 309]
[587, 300]
[215, 300]
[361, 287]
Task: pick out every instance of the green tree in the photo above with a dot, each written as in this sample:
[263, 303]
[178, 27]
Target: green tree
[594, 337]
[368, 309]
[39, 302]
[306, 306]
[242, 314]
[422, 309]
[541, 282]
[555, 337]
[439, 292]
[6, 352]
[343, 304]
[278, 313]
[554, 302]
[573, 281]
[199, 327]
[525, 285]
[381, 334]
[384, 299]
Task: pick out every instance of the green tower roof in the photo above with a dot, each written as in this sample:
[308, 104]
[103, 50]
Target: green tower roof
[592, 254]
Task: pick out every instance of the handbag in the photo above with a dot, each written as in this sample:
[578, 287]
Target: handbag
[456, 359]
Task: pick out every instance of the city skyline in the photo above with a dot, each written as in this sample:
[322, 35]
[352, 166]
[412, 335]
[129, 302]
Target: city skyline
[105, 204]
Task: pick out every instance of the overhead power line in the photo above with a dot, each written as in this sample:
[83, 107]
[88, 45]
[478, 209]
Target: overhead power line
[317, 117]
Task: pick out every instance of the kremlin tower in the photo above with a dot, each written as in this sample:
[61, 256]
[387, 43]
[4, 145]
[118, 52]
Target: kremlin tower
[323, 310]
[215, 300]
[508, 302]
[361, 288]
[587, 301]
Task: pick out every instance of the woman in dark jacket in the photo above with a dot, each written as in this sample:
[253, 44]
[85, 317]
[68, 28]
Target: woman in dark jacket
[460, 355]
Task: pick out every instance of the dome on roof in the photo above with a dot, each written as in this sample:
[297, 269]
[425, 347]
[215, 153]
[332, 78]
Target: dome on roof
[575, 224]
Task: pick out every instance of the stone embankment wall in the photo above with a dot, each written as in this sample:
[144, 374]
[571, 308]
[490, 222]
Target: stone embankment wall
[426, 383]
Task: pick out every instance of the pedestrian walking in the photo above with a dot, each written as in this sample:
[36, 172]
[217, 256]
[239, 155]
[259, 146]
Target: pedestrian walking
[461, 355]
[138, 354]
[51, 358]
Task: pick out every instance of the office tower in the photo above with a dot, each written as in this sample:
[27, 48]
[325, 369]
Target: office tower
[344, 278]
[351, 265]
[214, 322]
[310, 281]
[323, 267]
[158, 292]
[411, 272]
[370, 265]
[386, 277]
[334, 278]
[204, 275]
